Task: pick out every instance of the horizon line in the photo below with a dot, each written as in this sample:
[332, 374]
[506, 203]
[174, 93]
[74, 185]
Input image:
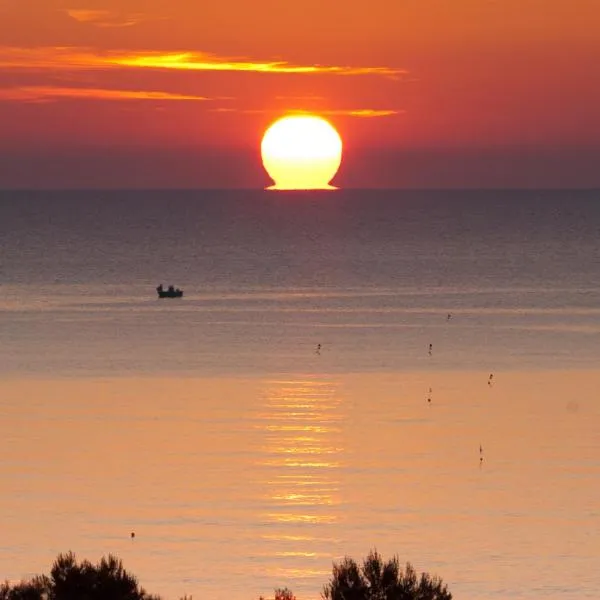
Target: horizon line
[301, 191]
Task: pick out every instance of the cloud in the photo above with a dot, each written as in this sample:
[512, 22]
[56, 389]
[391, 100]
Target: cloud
[365, 113]
[50, 93]
[194, 61]
[104, 18]
[51, 58]
[74, 58]
[357, 112]
[301, 98]
[39, 93]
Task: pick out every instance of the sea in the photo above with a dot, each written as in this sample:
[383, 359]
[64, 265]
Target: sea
[412, 372]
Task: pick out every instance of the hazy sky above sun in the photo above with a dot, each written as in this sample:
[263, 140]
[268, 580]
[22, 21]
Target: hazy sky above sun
[120, 93]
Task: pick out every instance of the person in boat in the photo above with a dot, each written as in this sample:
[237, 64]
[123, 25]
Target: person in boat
[160, 288]
[171, 289]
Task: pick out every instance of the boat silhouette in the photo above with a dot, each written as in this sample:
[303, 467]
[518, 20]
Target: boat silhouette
[170, 292]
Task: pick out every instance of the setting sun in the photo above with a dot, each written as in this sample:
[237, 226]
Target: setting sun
[301, 153]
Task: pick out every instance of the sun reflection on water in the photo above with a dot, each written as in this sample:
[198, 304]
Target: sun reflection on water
[301, 455]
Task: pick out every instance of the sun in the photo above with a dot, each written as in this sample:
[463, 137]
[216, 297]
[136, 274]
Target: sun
[301, 152]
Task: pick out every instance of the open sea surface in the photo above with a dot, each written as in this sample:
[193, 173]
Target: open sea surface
[247, 457]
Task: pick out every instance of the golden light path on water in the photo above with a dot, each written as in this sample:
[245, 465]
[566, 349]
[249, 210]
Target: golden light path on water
[301, 458]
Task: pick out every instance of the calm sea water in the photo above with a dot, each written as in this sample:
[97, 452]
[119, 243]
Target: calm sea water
[243, 457]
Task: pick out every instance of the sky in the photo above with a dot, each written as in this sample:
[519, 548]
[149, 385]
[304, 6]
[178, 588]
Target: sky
[424, 93]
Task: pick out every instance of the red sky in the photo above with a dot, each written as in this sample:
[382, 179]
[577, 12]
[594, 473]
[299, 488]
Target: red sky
[425, 93]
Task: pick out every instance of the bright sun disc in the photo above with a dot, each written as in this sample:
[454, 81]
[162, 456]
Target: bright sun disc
[301, 153]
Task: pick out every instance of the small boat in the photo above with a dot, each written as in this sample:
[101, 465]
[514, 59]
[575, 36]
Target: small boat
[170, 292]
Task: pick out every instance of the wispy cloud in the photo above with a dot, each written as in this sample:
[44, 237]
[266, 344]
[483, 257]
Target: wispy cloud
[36, 94]
[49, 58]
[194, 61]
[73, 58]
[365, 113]
[104, 18]
[50, 93]
[300, 98]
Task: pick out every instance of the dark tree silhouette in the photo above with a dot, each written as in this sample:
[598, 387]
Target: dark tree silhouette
[70, 580]
[284, 594]
[379, 580]
[108, 580]
[280, 594]
[36, 589]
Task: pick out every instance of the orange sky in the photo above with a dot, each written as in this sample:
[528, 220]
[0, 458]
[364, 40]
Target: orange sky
[424, 92]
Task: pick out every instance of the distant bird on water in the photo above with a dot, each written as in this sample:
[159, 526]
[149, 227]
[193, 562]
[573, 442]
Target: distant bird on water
[132, 534]
[490, 379]
[448, 317]
[318, 350]
[430, 349]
